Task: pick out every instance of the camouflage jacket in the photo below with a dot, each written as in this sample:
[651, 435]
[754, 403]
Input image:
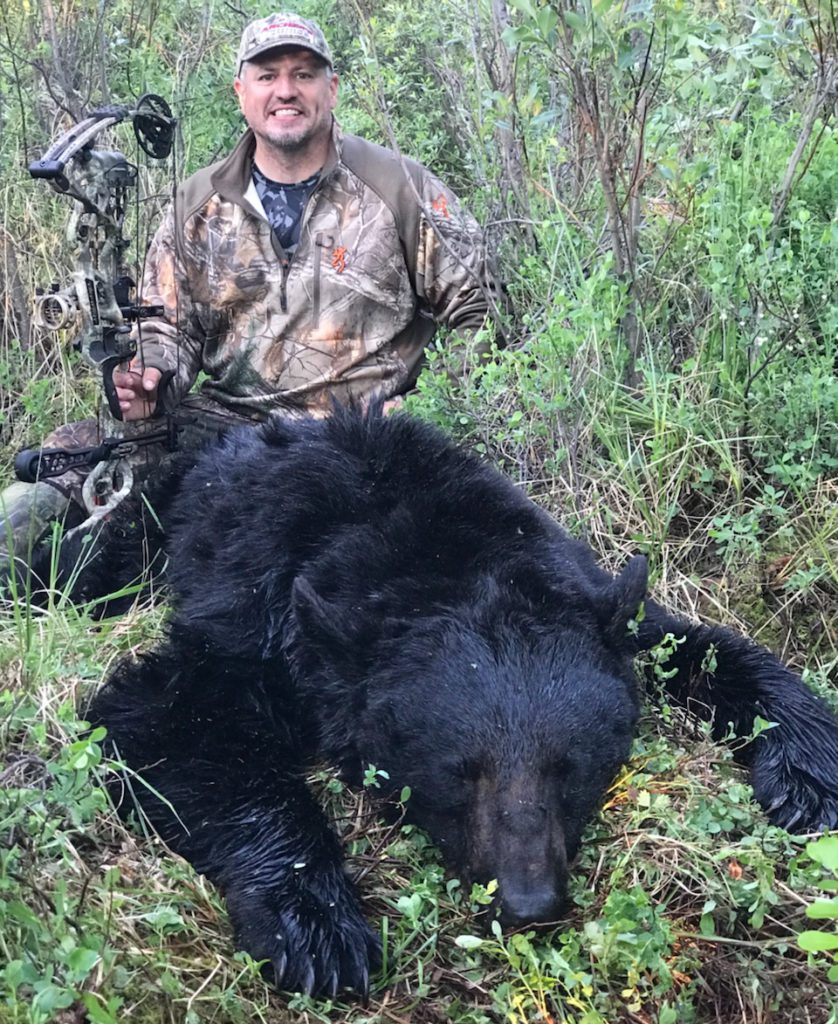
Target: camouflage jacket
[385, 252]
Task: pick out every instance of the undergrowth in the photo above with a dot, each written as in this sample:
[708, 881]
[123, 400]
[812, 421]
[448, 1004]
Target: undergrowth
[684, 902]
[680, 399]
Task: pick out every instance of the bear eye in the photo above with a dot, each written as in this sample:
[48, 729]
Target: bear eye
[470, 770]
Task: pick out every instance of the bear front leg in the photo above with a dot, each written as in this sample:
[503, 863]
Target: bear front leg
[217, 744]
[794, 765]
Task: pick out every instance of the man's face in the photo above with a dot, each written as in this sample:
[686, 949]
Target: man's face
[287, 97]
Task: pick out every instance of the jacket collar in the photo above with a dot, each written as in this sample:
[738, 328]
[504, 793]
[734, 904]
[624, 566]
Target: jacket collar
[231, 177]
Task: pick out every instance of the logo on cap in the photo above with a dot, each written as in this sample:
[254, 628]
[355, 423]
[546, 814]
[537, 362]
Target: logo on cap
[282, 30]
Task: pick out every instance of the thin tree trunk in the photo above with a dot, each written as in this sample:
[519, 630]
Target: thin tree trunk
[16, 321]
[824, 94]
[509, 145]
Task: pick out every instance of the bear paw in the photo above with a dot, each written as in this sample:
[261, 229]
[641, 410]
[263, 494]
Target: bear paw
[315, 944]
[797, 784]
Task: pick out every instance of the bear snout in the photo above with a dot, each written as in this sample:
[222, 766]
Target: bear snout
[537, 904]
[518, 840]
[531, 871]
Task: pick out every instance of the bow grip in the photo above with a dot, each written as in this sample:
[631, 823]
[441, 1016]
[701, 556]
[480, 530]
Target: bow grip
[108, 366]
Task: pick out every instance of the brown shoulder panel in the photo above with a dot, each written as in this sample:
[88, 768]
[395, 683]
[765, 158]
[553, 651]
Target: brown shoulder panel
[398, 181]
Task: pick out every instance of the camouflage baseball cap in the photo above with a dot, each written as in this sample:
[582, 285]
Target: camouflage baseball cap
[286, 29]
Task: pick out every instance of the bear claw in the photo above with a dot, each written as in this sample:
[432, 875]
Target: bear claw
[794, 798]
[312, 946]
[332, 987]
[278, 964]
[308, 980]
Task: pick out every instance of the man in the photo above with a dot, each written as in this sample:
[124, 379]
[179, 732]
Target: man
[308, 266]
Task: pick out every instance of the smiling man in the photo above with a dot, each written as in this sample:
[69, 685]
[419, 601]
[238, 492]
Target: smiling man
[307, 266]
[287, 97]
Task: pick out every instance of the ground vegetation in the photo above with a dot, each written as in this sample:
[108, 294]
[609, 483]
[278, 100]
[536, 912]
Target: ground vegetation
[659, 182]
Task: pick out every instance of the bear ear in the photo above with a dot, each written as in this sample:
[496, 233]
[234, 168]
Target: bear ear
[622, 600]
[333, 633]
[319, 620]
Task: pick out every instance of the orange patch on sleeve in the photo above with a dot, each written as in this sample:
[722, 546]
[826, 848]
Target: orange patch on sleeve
[339, 258]
[440, 205]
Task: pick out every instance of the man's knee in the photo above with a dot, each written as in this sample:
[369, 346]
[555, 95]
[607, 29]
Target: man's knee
[26, 512]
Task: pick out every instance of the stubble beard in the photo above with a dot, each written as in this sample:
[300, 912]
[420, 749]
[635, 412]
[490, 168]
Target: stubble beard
[289, 143]
[294, 143]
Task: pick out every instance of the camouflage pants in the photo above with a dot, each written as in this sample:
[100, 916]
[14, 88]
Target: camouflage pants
[28, 509]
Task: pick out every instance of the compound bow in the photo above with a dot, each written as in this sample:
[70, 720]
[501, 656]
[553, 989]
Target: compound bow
[101, 290]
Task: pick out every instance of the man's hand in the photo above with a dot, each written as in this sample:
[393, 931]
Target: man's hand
[136, 391]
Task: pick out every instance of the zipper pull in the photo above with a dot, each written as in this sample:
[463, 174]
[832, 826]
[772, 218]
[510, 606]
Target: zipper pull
[285, 263]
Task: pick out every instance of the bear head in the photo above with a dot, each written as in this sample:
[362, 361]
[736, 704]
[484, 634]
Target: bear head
[506, 715]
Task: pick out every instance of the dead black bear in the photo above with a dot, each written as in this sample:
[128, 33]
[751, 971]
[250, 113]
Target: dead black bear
[361, 590]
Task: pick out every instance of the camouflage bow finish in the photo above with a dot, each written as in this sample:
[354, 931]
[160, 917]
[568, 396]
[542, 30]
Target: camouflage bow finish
[98, 182]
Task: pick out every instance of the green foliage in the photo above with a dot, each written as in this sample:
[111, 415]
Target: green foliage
[824, 852]
[53, 942]
[711, 446]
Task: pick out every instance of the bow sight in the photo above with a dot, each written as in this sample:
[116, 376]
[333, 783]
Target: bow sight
[98, 182]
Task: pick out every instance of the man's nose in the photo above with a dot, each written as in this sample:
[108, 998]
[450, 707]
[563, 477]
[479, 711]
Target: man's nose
[285, 86]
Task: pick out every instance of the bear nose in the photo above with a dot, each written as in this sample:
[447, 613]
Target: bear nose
[536, 905]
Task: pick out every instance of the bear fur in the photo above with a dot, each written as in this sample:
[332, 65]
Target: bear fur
[361, 591]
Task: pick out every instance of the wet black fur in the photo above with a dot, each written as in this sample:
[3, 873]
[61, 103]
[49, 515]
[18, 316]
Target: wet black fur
[363, 591]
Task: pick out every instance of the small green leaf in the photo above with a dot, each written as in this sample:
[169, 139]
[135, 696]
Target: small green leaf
[410, 906]
[574, 21]
[81, 961]
[762, 725]
[825, 851]
[817, 942]
[524, 6]
[97, 1013]
[823, 910]
[547, 20]
[49, 997]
